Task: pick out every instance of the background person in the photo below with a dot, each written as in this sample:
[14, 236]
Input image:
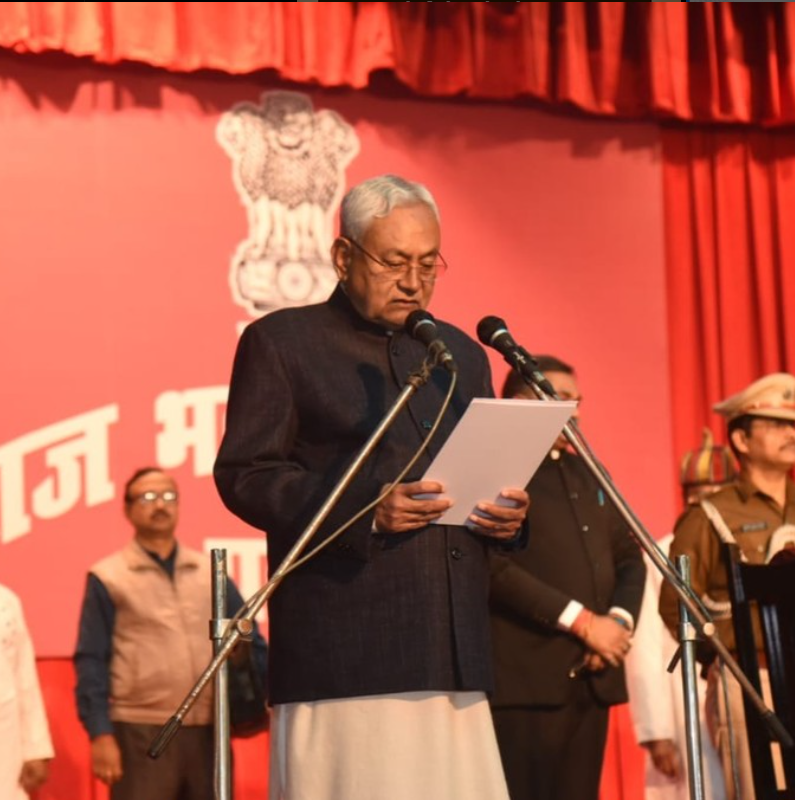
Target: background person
[26, 748]
[656, 697]
[142, 644]
[562, 615]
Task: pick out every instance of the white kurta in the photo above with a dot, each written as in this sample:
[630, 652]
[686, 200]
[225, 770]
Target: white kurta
[408, 746]
[656, 697]
[23, 724]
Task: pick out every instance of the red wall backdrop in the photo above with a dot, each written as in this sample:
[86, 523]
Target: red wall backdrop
[118, 220]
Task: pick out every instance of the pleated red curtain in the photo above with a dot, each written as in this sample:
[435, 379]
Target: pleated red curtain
[729, 205]
[706, 62]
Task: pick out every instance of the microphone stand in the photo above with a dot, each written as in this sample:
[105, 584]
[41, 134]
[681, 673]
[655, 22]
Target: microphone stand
[527, 367]
[243, 626]
[222, 771]
[687, 653]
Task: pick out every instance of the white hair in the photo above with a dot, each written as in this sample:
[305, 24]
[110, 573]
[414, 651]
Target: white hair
[376, 197]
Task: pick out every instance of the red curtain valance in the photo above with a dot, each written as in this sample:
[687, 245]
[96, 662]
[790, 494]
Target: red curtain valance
[708, 62]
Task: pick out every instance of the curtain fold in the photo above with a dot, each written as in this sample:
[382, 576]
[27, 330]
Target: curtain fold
[702, 62]
[728, 199]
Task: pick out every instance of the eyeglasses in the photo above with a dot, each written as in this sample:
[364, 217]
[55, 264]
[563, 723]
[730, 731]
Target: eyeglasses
[427, 270]
[147, 498]
[774, 424]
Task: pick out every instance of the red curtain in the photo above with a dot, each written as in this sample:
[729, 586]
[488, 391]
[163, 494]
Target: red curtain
[730, 245]
[728, 62]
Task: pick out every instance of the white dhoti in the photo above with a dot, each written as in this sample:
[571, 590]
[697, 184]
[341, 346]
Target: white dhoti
[407, 746]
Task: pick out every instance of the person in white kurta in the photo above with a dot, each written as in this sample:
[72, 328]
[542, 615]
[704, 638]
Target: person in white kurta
[26, 745]
[656, 697]
[656, 704]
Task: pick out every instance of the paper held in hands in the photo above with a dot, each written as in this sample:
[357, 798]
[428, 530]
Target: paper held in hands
[497, 444]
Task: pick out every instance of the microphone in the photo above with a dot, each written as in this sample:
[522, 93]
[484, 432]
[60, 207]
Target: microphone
[420, 325]
[493, 332]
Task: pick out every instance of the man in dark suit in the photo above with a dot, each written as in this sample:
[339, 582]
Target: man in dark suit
[562, 614]
[379, 645]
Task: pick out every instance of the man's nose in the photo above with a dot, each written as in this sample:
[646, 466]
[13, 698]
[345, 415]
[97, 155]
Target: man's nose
[410, 277]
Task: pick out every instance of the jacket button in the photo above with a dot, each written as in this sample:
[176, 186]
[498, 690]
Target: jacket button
[427, 424]
[585, 529]
[456, 553]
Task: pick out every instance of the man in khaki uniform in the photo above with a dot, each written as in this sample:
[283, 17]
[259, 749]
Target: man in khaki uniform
[761, 430]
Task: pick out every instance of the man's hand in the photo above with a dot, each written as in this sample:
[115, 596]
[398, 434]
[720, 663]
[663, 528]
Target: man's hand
[33, 774]
[401, 511]
[606, 638]
[106, 759]
[501, 521]
[665, 757]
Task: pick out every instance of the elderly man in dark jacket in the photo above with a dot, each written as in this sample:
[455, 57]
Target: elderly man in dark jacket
[379, 644]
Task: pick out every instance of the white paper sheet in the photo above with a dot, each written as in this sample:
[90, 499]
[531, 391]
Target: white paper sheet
[497, 444]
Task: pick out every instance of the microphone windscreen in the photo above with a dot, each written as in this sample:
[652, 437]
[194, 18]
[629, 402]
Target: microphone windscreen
[420, 324]
[487, 327]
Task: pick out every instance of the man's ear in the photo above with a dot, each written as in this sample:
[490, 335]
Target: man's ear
[739, 439]
[341, 258]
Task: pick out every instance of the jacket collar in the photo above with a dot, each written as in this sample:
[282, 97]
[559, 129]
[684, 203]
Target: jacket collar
[341, 303]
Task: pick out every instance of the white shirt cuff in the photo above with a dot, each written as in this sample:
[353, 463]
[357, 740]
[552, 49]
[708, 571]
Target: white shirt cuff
[569, 614]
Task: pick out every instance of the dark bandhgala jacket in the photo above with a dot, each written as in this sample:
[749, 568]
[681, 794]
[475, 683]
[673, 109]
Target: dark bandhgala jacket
[579, 549]
[372, 613]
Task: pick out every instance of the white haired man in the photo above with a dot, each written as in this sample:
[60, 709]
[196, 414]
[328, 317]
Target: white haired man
[379, 658]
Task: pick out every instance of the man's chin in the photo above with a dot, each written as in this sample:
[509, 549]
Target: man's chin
[393, 322]
[395, 317]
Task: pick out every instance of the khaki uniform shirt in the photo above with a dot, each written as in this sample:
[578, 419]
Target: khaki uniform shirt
[752, 516]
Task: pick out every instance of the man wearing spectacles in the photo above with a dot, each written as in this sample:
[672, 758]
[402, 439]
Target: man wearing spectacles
[761, 430]
[562, 613]
[379, 645]
[142, 644]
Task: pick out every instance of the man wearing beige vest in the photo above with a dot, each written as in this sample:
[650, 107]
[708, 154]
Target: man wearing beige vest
[143, 642]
